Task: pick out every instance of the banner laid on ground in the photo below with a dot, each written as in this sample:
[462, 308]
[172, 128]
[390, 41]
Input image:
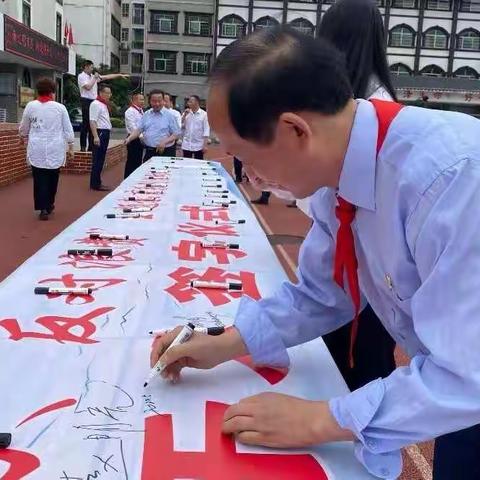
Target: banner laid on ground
[73, 366]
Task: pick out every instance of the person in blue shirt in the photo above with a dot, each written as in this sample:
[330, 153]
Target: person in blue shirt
[159, 128]
[406, 195]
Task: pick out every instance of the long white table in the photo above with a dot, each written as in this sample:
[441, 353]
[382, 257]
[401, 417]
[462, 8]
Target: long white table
[73, 368]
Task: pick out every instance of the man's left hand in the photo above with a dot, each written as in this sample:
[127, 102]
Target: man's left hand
[281, 421]
[160, 147]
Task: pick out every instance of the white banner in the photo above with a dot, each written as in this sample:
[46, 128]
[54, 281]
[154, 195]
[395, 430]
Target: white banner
[73, 366]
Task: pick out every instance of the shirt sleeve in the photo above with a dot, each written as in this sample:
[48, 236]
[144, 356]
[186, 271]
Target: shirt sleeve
[130, 121]
[94, 112]
[296, 313]
[173, 125]
[67, 127]
[206, 126]
[24, 128]
[439, 391]
[82, 81]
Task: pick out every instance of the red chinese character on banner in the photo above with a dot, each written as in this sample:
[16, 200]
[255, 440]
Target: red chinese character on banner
[69, 281]
[220, 455]
[105, 242]
[20, 464]
[118, 260]
[192, 250]
[206, 214]
[183, 292]
[199, 230]
[61, 328]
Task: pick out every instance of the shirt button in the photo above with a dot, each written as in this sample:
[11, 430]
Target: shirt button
[384, 472]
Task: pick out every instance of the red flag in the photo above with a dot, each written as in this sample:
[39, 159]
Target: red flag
[70, 35]
[65, 32]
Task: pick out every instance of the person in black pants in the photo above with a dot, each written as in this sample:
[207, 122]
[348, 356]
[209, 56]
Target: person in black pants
[237, 168]
[85, 131]
[101, 126]
[133, 116]
[263, 199]
[47, 126]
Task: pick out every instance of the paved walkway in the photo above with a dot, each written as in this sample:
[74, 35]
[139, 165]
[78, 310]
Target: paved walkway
[22, 234]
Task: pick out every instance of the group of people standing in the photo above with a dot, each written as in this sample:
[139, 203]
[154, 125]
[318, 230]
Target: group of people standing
[157, 131]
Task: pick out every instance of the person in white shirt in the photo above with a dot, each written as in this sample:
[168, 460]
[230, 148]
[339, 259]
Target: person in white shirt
[133, 116]
[171, 108]
[101, 127]
[88, 81]
[196, 129]
[47, 126]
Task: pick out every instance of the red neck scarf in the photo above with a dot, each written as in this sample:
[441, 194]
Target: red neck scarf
[101, 100]
[45, 98]
[138, 109]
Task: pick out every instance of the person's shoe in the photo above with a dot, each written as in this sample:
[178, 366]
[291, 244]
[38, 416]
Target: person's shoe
[83, 149]
[101, 188]
[51, 209]
[260, 201]
[43, 215]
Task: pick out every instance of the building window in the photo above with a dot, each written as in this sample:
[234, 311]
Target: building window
[468, 40]
[137, 62]
[196, 63]
[466, 72]
[115, 28]
[402, 36]
[265, 22]
[303, 26]
[404, 3]
[114, 62]
[232, 26]
[163, 61]
[432, 71]
[163, 22]
[470, 6]
[125, 34]
[138, 16]
[27, 14]
[400, 69]
[198, 24]
[435, 37]
[439, 5]
[137, 40]
[58, 28]
[124, 57]
[125, 10]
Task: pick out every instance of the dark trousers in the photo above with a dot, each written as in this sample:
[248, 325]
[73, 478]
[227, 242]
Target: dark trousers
[455, 454]
[45, 183]
[134, 157]
[98, 158]
[265, 195]
[237, 168]
[85, 131]
[152, 152]
[197, 155]
[372, 354]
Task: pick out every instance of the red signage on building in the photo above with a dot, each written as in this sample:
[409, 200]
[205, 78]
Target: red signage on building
[25, 42]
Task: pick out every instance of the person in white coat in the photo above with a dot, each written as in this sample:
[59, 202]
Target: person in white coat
[46, 125]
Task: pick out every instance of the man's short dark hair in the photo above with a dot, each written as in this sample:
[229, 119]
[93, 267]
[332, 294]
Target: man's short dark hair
[136, 94]
[156, 92]
[86, 64]
[45, 86]
[196, 97]
[277, 70]
[103, 86]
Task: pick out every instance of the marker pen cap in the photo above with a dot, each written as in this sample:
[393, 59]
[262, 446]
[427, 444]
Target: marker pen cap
[94, 236]
[241, 221]
[235, 286]
[81, 251]
[127, 210]
[41, 290]
[5, 440]
[105, 252]
[131, 198]
[234, 246]
[233, 202]
[110, 215]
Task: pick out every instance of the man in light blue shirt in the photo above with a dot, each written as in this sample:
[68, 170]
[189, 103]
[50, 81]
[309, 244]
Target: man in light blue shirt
[159, 128]
[417, 241]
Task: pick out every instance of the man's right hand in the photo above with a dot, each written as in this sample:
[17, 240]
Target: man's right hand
[201, 351]
[96, 141]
